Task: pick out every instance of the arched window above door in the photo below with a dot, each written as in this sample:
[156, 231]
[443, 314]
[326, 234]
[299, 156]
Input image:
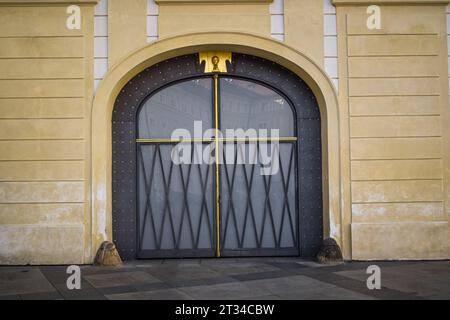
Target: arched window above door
[248, 105]
[244, 104]
[176, 106]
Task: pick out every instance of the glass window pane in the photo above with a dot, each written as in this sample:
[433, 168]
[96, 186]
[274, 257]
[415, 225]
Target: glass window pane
[177, 107]
[248, 105]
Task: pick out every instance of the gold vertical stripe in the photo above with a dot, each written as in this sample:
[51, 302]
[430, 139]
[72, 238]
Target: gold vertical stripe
[216, 124]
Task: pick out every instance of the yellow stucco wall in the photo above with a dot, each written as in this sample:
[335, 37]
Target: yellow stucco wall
[201, 17]
[125, 18]
[386, 147]
[45, 98]
[394, 102]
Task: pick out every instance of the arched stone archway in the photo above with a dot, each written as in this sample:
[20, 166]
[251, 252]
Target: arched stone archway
[147, 56]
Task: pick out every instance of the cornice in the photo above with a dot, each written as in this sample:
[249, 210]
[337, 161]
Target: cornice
[390, 2]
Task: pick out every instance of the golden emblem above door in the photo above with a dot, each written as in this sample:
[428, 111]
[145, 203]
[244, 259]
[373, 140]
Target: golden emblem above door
[215, 61]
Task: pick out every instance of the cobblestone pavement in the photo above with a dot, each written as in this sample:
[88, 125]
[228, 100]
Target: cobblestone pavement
[237, 279]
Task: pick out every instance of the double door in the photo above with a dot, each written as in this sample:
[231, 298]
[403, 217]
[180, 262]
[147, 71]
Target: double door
[217, 171]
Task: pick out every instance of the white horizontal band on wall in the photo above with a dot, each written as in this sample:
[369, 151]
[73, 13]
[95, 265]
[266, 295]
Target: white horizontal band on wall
[448, 44]
[277, 19]
[100, 41]
[152, 21]
[330, 42]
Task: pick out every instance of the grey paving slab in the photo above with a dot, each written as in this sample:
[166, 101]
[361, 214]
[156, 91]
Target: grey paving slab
[165, 294]
[359, 286]
[55, 274]
[321, 296]
[224, 291]
[313, 264]
[116, 290]
[151, 286]
[303, 287]
[236, 268]
[261, 275]
[54, 295]
[230, 278]
[88, 270]
[427, 280]
[86, 293]
[10, 297]
[181, 272]
[200, 281]
[263, 298]
[120, 279]
[181, 262]
[21, 280]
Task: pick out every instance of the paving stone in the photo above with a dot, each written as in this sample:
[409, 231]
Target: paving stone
[55, 274]
[313, 264]
[151, 286]
[116, 290]
[302, 287]
[263, 298]
[90, 270]
[230, 278]
[201, 281]
[58, 276]
[182, 272]
[22, 280]
[227, 291]
[439, 296]
[284, 265]
[54, 295]
[133, 288]
[261, 275]
[165, 294]
[120, 279]
[82, 294]
[327, 296]
[181, 262]
[424, 280]
[11, 297]
[236, 268]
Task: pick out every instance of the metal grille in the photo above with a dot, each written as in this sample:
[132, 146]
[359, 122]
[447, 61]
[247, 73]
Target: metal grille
[259, 214]
[176, 211]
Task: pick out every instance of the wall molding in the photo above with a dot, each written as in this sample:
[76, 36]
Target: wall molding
[45, 2]
[210, 1]
[390, 2]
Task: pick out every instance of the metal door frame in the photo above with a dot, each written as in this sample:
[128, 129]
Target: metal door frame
[138, 90]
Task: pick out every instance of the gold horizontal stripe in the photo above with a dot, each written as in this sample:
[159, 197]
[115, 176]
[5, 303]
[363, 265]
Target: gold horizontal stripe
[212, 139]
[172, 140]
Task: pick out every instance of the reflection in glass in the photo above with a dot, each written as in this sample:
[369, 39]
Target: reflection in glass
[248, 105]
[177, 106]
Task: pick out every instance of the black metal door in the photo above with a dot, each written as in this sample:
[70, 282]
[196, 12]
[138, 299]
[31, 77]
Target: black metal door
[229, 207]
[258, 190]
[226, 207]
[175, 200]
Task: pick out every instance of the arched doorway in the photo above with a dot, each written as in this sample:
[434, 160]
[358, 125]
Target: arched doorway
[162, 209]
